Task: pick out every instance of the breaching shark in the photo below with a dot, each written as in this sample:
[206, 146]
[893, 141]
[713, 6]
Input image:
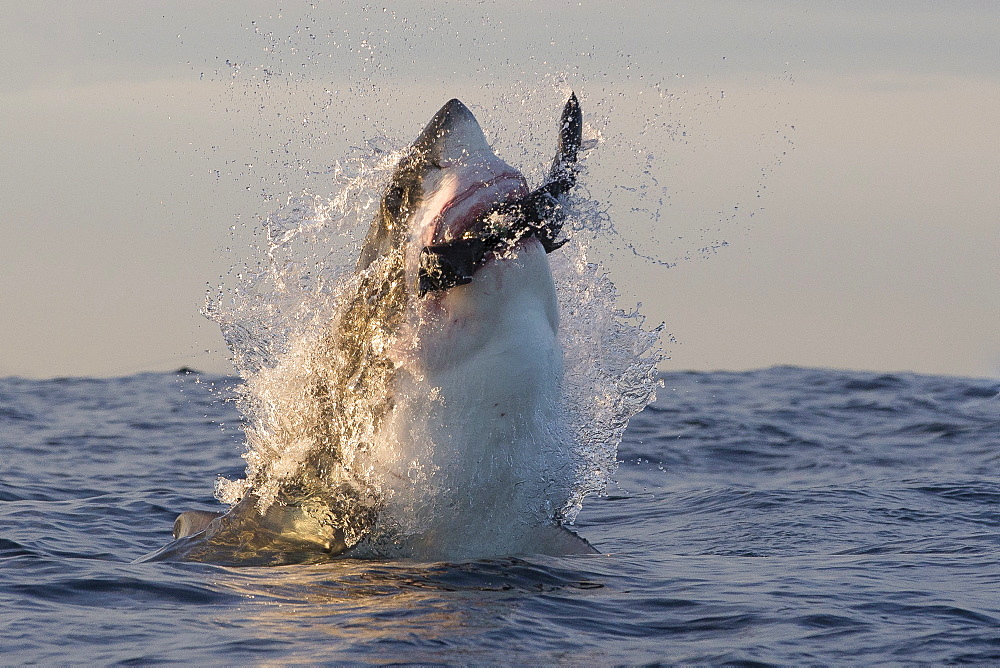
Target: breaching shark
[454, 292]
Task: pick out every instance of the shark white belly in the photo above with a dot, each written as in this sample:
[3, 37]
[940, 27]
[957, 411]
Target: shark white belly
[493, 356]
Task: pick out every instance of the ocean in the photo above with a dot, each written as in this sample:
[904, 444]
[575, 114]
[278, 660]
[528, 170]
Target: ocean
[778, 516]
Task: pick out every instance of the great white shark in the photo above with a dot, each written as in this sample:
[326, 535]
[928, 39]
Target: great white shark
[454, 298]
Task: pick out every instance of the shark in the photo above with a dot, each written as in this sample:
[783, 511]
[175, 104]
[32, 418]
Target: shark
[446, 351]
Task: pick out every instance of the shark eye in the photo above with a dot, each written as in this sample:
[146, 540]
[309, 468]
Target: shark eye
[393, 200]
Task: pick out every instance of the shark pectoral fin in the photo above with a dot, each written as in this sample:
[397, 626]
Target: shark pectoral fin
[559, 541]
[573, 543]
[192, 522]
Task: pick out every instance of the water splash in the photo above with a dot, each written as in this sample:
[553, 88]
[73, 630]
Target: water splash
[315, 342]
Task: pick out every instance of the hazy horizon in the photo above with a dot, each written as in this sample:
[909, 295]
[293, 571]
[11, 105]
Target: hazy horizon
[823, 180]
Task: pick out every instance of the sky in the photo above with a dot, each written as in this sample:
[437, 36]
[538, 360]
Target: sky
[800, 183]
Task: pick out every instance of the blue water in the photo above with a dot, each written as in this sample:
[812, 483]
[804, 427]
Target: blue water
[778, 516]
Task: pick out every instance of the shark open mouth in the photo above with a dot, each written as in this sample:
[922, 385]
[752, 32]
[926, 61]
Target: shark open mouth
[461, 217]
[454, 259]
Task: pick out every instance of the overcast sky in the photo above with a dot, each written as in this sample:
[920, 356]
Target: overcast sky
[840, 162]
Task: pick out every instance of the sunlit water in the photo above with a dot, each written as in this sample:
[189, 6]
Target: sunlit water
[778, 516]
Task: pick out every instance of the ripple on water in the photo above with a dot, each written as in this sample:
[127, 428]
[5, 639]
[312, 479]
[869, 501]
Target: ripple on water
[759, 517]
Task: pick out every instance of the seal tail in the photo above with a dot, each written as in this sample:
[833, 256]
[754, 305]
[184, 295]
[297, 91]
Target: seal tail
[562, 174]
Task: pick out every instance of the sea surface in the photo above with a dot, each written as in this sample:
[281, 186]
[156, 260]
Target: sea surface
[781, 516]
